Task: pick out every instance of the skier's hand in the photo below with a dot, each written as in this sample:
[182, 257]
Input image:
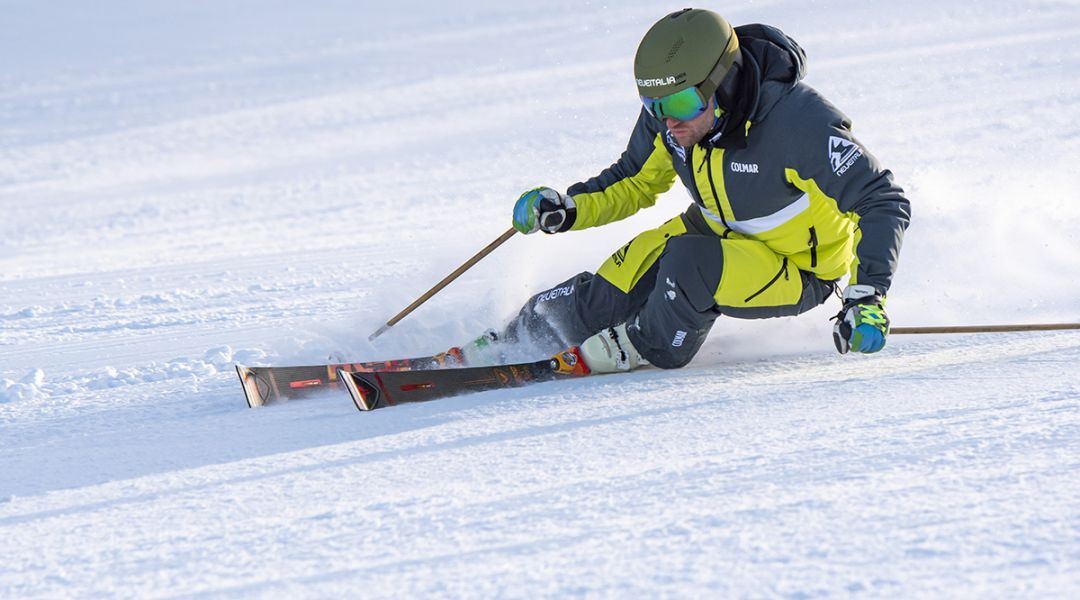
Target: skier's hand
[861, 325]
[544, 209]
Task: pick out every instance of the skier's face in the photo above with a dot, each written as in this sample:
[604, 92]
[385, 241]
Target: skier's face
[688, 133]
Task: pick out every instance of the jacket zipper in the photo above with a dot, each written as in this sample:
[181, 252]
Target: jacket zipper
[783, 271]
[813, 247]
[712, 184]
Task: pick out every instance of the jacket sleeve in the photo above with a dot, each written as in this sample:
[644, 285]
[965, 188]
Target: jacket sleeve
[642, 173]
[830, 161]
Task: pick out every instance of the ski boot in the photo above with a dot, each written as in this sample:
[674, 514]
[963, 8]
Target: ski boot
[480, 352]
[610, 351]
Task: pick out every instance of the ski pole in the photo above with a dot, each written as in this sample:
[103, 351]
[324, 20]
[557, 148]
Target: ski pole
[986, 328]
[446, 281]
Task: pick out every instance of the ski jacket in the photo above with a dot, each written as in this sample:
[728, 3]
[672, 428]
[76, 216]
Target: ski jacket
[790, 174]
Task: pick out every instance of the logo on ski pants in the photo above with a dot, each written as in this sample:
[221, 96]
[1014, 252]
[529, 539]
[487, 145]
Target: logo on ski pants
[558, 292]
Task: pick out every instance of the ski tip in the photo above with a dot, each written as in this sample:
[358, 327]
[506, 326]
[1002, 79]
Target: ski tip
[250, 387]
[364, 395]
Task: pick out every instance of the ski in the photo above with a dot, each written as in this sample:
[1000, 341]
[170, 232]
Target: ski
[266, 385]
[379, 389]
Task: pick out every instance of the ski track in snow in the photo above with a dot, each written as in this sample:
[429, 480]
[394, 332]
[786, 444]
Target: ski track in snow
[265, 184]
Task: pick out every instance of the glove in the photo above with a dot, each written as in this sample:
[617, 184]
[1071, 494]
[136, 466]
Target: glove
[861, 325]
[544, 209]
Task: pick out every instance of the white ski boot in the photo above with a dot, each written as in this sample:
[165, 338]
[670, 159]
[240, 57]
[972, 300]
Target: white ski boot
[610, 351]
[481, 352]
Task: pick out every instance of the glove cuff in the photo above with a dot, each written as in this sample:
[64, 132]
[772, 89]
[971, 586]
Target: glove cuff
[862, 294]
[571, 213]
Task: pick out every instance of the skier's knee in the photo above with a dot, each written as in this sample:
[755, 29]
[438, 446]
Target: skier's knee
[668, 360]
[667, 347]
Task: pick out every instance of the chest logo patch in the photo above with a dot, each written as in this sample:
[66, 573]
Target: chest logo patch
[744, 167]
[842, 154]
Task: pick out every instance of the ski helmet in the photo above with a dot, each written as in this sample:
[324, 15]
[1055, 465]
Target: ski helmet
[692, 47]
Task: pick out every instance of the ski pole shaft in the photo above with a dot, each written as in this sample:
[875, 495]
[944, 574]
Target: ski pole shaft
[446, 281]
[986, 328]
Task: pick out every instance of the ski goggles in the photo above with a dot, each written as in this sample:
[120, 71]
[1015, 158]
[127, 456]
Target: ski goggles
[682, 105]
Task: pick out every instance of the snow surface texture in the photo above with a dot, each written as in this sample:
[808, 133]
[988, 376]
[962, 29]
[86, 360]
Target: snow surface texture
[188, 185]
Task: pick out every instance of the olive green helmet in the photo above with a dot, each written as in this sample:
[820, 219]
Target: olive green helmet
[686, 48]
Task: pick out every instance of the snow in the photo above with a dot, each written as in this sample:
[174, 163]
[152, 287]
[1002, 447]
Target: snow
[186, 186]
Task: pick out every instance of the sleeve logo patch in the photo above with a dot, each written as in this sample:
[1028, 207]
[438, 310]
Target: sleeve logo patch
[842, 154]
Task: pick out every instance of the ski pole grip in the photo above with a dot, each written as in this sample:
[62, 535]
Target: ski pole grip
[509, 233]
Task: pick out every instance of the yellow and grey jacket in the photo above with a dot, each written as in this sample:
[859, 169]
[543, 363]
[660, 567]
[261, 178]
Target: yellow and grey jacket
[787, 173]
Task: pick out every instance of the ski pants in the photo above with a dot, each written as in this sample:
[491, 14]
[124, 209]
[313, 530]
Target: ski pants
[669, 285]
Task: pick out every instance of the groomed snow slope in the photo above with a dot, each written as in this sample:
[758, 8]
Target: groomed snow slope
[185, 186]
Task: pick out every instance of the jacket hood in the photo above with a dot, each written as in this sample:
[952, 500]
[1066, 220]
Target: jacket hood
[773, 64]
[777, 61]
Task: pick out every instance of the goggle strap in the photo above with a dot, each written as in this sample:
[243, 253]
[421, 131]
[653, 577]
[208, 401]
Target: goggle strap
[721, 69]
[725, 93]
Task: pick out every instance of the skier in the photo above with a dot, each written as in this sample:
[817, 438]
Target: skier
[786, 202]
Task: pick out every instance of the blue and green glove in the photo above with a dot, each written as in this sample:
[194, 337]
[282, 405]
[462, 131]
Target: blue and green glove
[861, 325]
[544, 209]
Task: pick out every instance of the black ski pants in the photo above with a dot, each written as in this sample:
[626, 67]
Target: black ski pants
[665, 284]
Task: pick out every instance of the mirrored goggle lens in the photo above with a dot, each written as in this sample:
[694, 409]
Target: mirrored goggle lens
[684, 105]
